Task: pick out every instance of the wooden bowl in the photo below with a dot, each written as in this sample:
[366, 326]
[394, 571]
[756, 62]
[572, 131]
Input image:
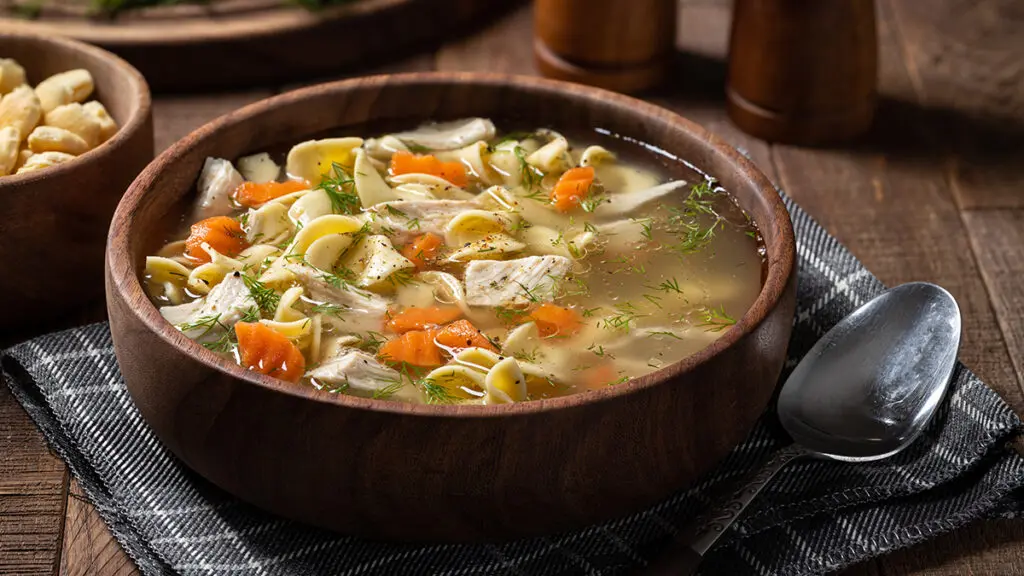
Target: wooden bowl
[444, 473]
[54, 221]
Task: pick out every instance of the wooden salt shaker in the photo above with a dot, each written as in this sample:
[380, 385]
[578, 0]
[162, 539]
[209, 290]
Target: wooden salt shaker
[621, 45]
[803, 71]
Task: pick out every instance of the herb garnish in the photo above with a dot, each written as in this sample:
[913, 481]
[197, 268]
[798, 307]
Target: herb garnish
[340, 189]
[715, 319]
[266, 298]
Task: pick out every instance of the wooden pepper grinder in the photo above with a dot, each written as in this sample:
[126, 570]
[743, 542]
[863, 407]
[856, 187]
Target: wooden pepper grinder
[803, 71]
[621, 45]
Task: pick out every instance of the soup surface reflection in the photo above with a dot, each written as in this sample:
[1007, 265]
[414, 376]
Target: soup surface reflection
[453, 264]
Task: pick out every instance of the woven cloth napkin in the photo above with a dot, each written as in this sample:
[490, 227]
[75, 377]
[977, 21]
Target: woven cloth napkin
[815, 517]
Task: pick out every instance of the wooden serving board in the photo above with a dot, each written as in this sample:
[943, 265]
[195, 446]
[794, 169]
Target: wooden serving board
[233, 43]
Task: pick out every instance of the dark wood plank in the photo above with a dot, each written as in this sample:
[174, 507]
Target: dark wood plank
[33, 486]
[176, 116]
[419, 63]
[89, 547]
[997, 237]
[491, 50]
[985, 548]
[964, 57]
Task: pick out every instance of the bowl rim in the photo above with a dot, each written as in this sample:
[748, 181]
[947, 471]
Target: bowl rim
[141, 96]
[125, 280]
[255, 25]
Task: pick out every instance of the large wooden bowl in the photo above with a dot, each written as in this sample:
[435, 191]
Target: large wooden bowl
[420, 472]
[53, 222]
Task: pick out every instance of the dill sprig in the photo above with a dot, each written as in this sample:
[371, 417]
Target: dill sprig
[670, 285]
[385, 392]
[371, 342]
[714, 319]
[530, 356]
[341, 190]
[208, 322]
[435, 393]
[690, 223]
[339, 278]
[328, 309]
[530, 176]
[593, 201]
[266, 298]
[401, 278]
[625, 316]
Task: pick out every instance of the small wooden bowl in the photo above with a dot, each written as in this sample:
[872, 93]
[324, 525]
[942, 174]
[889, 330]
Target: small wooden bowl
[444, 473]
[53, 228]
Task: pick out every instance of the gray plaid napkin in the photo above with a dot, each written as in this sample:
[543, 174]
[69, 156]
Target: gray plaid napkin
[814, 518]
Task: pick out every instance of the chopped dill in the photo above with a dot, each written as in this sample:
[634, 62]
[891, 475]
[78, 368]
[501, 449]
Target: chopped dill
[528, 293]
[340, 189]
[625, 315]
[225, 343]
[530, 356]
[339, 278]
[664, 333]
[436, 393]
[589, 227]
[507, 315]
[208, 323]
[591, 203]
[599, 351]
[670, 285]
[690, 223]
[653, 299]
[714, 319]
[588, 312]
[416, 148]
[401, 278]
[266, 298]
[530, 175]
[395, 211]
[328, 309]
[371, 341]
[252, 314]
[647, 227]
[385, 392]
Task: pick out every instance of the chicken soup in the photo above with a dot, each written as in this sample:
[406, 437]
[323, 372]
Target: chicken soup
[454, 264]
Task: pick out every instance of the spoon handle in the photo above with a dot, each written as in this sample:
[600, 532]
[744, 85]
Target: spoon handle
[685, 553]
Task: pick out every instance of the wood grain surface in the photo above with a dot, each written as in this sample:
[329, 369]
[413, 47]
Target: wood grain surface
[241, 43]
[953, 91]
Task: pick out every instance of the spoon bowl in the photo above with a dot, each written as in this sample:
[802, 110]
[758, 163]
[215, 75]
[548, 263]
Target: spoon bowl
[864, 392]
[870, 385]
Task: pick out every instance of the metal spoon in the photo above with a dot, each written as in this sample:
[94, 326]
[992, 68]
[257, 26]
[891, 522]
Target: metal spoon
[864, 392]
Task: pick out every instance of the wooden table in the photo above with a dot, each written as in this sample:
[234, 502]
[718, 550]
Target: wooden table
[935, 193]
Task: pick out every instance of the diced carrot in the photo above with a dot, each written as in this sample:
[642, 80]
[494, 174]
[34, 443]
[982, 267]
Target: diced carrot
[415, 347]
[554, 320]
[600, 376]
[223, 234]
[462, 334]
[572, 188]
[423, 249]
[255, 194]
[263, 349]
[409, 163]
[422, 318]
